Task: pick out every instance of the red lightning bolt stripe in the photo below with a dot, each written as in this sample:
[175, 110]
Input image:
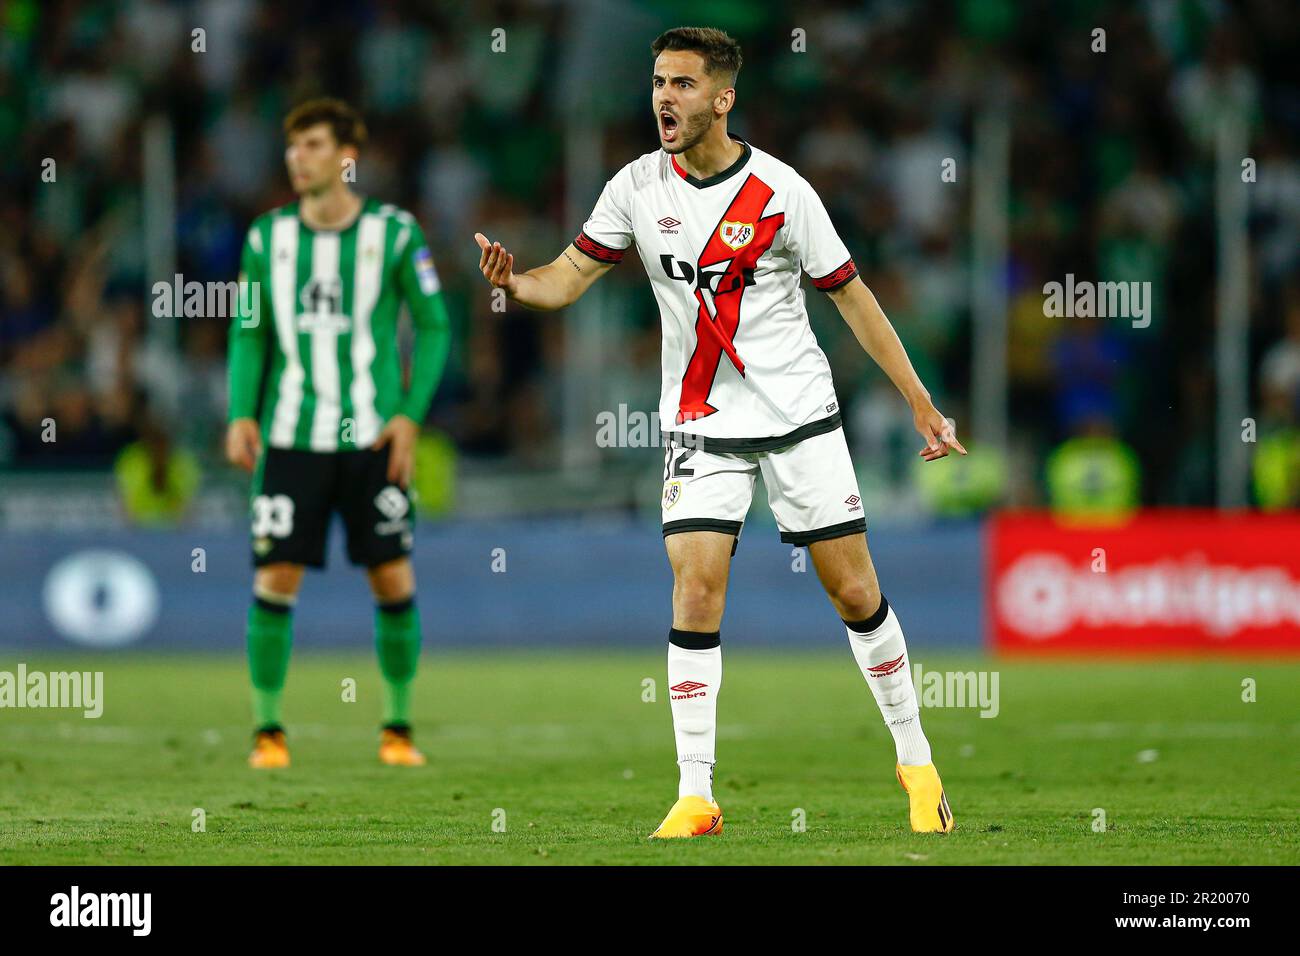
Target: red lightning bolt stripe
[715, 334]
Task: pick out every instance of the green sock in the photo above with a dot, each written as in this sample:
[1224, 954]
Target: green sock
[270, 636]
[397, 639]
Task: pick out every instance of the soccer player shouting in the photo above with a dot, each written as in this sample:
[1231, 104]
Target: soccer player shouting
[723, 230]
[322, 281]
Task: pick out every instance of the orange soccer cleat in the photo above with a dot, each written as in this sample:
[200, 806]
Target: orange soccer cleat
[930, 811]
[690, 817]
[396, 748]
[270, 752]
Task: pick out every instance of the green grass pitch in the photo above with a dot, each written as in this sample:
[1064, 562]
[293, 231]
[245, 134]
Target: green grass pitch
[562, 750]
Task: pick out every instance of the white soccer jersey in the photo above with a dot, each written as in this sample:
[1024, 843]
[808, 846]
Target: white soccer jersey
[742, 370]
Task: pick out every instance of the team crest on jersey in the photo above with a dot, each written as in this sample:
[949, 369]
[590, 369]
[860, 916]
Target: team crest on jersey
[736, 234]
[672, 494]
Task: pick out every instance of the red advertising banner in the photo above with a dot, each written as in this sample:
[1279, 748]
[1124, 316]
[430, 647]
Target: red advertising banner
[1178, 580]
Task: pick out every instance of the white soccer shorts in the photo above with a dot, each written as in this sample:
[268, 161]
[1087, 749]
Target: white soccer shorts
[811, 489]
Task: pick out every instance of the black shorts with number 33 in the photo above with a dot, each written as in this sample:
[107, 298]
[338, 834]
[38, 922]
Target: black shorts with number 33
[295, 493]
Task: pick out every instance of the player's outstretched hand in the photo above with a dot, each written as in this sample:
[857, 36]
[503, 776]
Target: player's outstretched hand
[496, 263]
[244, 443]
[401, 433]
[940, 434]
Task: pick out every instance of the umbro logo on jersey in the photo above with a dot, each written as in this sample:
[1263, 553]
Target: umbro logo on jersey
[669, 225]
[854, 503]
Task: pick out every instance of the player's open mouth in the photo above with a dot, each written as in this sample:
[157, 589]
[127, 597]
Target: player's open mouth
[667, 126]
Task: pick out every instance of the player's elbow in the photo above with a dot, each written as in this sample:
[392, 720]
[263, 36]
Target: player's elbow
[577, 290]
[568, 290]
[852, 291]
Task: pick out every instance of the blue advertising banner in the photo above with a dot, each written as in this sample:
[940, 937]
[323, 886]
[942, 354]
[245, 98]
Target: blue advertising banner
[522, 584]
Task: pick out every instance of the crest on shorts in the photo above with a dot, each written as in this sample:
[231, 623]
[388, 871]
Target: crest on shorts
[736, 234]
[393, 505]
[672, 494]
[391, 502]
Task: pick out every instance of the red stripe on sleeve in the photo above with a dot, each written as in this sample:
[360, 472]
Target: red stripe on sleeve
[832, 281]
[598, 250]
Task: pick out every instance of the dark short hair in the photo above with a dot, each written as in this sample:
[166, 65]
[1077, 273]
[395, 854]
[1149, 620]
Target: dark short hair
[721, 53]
[346, 123]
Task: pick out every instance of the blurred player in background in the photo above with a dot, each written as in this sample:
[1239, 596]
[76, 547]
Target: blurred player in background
[723, 230]
[315, 347]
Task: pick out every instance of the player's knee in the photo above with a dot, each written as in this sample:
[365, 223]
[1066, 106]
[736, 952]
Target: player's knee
[854, 599]
[280, 579]
[698, 598]
[392, 581]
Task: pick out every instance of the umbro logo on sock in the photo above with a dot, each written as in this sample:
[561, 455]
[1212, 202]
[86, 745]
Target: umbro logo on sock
[687, 689]
[888, 667]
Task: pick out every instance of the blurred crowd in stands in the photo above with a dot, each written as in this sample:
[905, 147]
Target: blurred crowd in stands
[1112, 179]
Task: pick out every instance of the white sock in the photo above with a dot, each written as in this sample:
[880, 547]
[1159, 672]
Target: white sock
[694, 678]
[881, 654]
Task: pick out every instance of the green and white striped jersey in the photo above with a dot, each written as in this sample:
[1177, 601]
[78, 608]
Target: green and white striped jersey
[322, 307]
